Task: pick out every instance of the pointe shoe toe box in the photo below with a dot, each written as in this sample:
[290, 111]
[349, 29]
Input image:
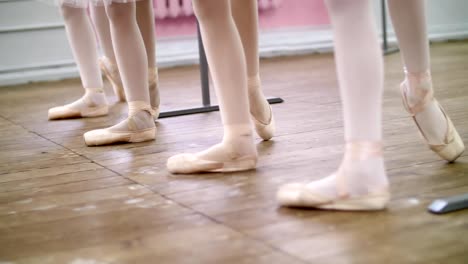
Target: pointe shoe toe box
[100, 137]
[103, 137]
[453, 149]
[266, 131]
[63, 112]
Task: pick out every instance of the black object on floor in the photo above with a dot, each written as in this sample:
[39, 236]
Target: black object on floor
[449, 204]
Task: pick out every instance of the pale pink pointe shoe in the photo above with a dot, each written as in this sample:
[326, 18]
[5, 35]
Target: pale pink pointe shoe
[265, 130]
[132, 130]
[111, 71]
[305, 195]
[190, 163]
[86, 106]
[453, 145]
[237, 152]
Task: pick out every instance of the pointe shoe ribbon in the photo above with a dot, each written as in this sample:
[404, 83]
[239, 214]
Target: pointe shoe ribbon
[453, 145]
[302, 195]
[84, 107]
[153, 80]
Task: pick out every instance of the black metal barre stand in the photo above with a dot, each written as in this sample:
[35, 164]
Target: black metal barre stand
[386, 49]
[205, 88]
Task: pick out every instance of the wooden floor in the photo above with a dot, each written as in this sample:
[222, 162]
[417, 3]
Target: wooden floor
[63, 202]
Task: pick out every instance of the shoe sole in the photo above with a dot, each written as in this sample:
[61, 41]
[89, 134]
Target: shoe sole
[366, 203]
[371, 202]
[188, 164]
[91, 112]
[238, 165]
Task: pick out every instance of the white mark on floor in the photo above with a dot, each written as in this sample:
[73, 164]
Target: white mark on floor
[148, 170]
[84, 208]
[6, 262]
[234, 193]
[240, 184]
[148, 204]
[45, 207]
[223, 237]
[10, 213]
[413, 201]
[145, 205]
[134, 201]
[86, 261]
[251, 196]
[25, 201]
[135, 187]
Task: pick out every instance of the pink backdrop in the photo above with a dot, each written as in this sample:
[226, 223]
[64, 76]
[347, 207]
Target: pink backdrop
[288, 14]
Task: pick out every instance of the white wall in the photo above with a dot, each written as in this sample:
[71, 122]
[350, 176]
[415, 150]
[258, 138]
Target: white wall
[33, 45]
[446, 19]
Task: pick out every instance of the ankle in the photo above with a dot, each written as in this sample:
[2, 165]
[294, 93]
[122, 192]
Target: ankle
[138, 106]
[95, 96]
[240, 138]
[363, 150]
[153, 76]
[418, 84]
[254, 83]
[364, 168]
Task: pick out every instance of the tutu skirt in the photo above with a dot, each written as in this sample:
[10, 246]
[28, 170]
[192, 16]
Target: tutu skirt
[86, 3]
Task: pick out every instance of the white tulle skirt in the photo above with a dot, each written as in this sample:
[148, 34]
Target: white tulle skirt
[86, 3]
